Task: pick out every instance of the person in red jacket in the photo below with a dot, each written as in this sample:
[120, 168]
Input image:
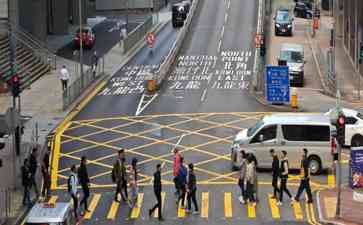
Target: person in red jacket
[176, 167]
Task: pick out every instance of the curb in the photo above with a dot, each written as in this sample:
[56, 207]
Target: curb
[321, 219]
[285, 108]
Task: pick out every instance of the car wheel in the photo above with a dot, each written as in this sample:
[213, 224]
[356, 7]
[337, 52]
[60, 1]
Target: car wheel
[314, 165]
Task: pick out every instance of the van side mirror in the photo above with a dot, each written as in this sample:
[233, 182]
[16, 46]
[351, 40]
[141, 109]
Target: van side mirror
[260, 138]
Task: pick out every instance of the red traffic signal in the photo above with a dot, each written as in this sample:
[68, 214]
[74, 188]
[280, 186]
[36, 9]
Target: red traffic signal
[341, 129]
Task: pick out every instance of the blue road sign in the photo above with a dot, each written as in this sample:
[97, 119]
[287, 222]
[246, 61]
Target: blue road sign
[278, 84]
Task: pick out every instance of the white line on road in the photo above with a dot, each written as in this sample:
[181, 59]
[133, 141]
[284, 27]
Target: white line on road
[219, 46]
[226, 18]
[229, 4]
[222, 32]
[141, 107]
[203, 95]
[180, 139]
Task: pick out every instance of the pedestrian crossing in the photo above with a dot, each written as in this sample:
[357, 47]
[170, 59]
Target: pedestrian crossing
[228, 203]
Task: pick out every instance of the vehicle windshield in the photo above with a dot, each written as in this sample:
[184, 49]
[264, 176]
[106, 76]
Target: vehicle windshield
[253, 129]
[360, 116]
[291, 56]
[282, 16]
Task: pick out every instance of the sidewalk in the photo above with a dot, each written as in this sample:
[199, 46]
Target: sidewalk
[351, 211]
[43, 103]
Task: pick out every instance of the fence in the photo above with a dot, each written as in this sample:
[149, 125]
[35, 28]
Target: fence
[78, 86]
[325, 60]
[137, 34]
[5, 205]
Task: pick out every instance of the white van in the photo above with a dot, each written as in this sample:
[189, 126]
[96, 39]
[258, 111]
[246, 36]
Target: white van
[289, 132]
[51, 214]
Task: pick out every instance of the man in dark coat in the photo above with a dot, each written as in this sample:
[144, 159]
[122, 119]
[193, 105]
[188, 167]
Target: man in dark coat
[84, 181]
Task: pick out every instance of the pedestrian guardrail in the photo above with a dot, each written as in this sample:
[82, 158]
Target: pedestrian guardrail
[5, 205]
[137, 34]
[74, 90]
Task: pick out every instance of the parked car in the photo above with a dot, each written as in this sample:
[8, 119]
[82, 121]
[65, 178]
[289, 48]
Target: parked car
[304, 9]
[293, 55]
[289, 132]
[88, 38]
[283, 22]
[353, 125]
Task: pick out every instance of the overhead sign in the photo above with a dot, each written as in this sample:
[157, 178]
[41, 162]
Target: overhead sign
[278, 84]
[356, 167]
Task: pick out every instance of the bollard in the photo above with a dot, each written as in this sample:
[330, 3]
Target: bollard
[151, 85]
[294, 98]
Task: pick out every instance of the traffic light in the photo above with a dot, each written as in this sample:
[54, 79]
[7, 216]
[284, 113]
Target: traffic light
[15, 85]
[341, 129]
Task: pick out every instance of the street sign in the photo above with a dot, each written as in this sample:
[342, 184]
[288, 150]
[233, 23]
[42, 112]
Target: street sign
[278, 84]
[150, 39]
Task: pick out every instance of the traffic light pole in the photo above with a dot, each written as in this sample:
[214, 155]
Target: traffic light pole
[339, 180]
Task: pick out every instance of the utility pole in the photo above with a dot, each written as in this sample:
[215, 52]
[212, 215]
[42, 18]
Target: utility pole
[339, 165]
[81, 41]
[127, 15]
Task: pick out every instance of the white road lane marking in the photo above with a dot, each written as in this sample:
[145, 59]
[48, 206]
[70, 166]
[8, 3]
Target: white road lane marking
[229, 4]
[142, 105]
[203, 95]
[226, 18]
[219, 45]
[222, 32]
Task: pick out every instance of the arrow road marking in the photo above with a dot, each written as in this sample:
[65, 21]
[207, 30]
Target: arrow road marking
[145, 101]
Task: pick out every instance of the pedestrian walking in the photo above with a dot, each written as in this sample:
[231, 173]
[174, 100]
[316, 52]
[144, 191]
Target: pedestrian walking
[157, 191]
[192, 190]
[33, 167]
[94, 62]
[46, 179]
[305, 177]
[25, 180]
[242, 177]
[284, 167]
[250, 180]
[84, 181]
[275, 173]
[119, 172]
[72, 189]
[176, 166]
[133, 183]
[255, 184]
[64, 77]
[182, 182]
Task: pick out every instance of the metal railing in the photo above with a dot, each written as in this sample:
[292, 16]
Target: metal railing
[36, 46]
[5, 205]
[75, 89]
[137, 34]
[325, 60]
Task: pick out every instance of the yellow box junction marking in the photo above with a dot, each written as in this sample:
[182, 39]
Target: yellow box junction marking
[228, 204]
[53, 199]
[156, 214]
[95, 199]
[330, 209]
[137, 208]
[297, 211]
[205, 205]
[113, 210]
[251, 210]
[181, 208]
[275, 210]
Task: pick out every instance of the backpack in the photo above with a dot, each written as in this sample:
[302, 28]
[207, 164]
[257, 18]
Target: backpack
[69, 185]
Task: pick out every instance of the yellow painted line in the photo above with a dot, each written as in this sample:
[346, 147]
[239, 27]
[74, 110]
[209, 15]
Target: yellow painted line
[331, 180]
[312, 213]
[113, 210]
[205, 205]
[156, 214]
[297, 211]
[228, 204]
[181, 209]
[136, 210]
[56, 154]
[60, 130]
[53, 199]
[275, 210]
[251, 210]
[330, 206]
[92, 206]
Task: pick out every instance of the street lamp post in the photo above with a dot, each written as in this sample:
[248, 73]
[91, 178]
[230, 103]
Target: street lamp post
[81, 41]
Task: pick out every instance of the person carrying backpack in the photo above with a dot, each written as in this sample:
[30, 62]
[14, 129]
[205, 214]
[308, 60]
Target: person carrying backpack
[182, 182]
[84, 181]
[72, 189]
[192, 190]
[133, 183]
[250, 180]
[120, 177]
[284, 176]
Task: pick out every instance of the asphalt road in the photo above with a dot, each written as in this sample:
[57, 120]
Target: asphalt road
[221, 35]
[106, 37]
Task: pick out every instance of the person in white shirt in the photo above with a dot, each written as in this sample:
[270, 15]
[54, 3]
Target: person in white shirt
[64, 77]
[72, 188]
